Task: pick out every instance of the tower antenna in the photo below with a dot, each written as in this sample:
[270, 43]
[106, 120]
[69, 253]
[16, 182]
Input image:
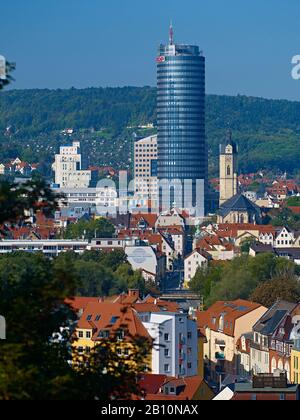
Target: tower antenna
[171, 34]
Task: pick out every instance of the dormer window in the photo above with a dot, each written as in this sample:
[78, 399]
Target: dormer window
[221, 323]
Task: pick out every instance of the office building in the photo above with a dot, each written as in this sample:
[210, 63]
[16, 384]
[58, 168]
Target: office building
[182, 151]
[145, 167]
[68, 168]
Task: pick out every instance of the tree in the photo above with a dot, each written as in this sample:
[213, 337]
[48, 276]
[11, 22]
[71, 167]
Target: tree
[285, 217]
[18, 201]
[35, 358]
[246, 244]
[237, 279]
[89, 229]
[285, 288]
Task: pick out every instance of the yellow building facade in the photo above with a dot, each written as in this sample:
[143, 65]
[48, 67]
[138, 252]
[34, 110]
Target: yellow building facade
[295, 365]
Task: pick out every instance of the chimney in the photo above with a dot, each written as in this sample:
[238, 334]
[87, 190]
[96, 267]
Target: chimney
[134, 292]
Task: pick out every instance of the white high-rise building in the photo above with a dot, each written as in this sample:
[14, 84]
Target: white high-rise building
[175, 343]
[145, 167]
[68, 168]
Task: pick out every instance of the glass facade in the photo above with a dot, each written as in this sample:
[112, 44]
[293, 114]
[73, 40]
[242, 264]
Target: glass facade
[182, 153]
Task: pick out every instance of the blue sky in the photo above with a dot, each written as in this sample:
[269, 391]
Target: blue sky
[248, 44]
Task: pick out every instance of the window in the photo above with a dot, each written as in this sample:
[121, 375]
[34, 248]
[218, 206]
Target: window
[120, 335]
[228, 170]
[167, 368]
[80, 334]
[103, 334]
[80, 349]
[167, 352]
[189, 335]
[87, 350]
[89, 318]
[253, 397]
[114, 319]
[167, 337]
[189, 365]
[282, 397]
[98, 317]
[88, 334]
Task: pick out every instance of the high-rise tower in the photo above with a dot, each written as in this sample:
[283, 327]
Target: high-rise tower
[182, 152]
[228, 169]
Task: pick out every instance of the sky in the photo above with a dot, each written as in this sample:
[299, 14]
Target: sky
[248, 44]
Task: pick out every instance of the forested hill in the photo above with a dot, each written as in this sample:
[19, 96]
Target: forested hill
[267, 131]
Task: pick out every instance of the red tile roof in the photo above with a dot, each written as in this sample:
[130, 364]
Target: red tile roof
[230, 310]
[112, 317]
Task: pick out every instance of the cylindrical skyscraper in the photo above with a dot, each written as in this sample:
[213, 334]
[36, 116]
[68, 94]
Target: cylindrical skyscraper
[182, 153]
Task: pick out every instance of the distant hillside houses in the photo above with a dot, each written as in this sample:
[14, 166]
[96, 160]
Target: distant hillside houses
[17, 166]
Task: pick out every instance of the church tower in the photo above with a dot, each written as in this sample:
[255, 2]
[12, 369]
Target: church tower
[228, 170]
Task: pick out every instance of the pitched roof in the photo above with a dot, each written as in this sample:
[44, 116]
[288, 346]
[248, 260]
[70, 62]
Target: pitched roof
[231, 311]
[80, 303]
[113, 317]
[268, 323]
[188, 387]
[238, 203]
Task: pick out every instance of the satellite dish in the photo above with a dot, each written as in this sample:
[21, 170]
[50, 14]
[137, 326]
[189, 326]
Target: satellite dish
[2, 68]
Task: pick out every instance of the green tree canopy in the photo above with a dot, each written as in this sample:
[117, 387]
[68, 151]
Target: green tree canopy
[240, 277]
[35, 357]
[285, 288]
[89, 229]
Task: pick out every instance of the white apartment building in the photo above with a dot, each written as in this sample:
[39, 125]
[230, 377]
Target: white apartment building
[103, 198]
[50, 247]
[145, 167]
[284, 239]
[175, 347]
[68, 168]
[197, 259]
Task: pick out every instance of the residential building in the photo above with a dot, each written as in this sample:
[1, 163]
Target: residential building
[244, 356]
[223, 325]
[116, 322]
[145, 168]
[271, 346]
[162, 387]
[228, 170]
[295, 362]
[172, 333]
[175, 342]
[182, 151]
[197, 259]
[284, 239]
[172, 218]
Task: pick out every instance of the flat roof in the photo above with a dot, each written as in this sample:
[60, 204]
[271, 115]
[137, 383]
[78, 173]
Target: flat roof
[246, 387]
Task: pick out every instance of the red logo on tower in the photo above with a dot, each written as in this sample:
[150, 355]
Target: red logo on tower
[161, 59]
